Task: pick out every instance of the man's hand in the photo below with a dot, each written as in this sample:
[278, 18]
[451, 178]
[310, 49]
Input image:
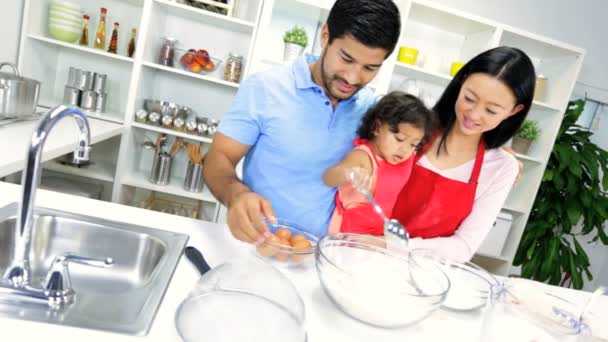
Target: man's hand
[519, 163]
[246, 217]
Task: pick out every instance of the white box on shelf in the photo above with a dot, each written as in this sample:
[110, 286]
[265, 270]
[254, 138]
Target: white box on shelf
[495, 240]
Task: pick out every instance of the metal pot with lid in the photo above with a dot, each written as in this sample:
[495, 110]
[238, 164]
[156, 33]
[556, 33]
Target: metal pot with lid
[18, 95]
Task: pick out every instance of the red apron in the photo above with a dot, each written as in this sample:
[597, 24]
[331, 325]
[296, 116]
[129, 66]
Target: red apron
[431, 205]
[362, 218]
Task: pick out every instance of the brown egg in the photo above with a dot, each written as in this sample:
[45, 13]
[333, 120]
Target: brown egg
[283, 233]
[300, 246]
[265, 247]
[282, 254]
[296, 238]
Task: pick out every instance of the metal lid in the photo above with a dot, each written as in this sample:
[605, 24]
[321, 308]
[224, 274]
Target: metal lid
[170, 39]
[234, 55]
[541, 76]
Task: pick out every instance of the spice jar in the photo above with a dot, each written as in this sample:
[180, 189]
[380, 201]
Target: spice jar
[154, 118]
[167, 120]
[166, 55]
[141, 115]
[232, 71]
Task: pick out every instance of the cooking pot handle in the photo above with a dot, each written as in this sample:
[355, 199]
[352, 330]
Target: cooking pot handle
[11, 65]
[197, 259]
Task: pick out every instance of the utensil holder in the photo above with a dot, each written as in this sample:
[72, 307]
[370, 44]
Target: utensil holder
[161, 169]
[194, 177]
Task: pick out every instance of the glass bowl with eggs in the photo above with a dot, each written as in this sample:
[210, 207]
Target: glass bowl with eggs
[289, 245]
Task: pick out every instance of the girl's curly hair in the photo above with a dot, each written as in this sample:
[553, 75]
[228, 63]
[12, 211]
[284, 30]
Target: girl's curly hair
[398, 107]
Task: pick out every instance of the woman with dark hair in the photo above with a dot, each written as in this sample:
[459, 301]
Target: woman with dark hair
[461, 177]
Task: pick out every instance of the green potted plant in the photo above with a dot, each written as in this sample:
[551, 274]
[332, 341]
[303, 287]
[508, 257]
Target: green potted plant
[295, 41]
[572, 202]
[525, 135]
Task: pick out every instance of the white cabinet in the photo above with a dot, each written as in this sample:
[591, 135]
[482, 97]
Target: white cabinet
[124, 163]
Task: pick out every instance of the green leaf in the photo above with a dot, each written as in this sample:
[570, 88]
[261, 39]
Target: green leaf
[548, 176]
[575, 168]
[574, 213]
[602, 235]
[551, 260]
[577, 280]
[530, 268]
[581, 255]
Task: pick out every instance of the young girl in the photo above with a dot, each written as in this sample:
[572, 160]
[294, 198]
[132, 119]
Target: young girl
[389, 134]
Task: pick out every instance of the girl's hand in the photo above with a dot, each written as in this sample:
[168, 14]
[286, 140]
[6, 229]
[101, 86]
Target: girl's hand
[359, 177]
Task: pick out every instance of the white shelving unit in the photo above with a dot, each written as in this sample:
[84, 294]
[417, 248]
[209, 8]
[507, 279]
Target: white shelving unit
[255, 32]
[452, 35]
[123, 163]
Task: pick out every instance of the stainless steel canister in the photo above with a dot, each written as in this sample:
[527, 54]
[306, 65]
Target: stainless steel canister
[73, 76]
[71, 96]
[99, 83]
[100, 103]
[85, 81]
[88, 100]
[194, 177]
[161, 169]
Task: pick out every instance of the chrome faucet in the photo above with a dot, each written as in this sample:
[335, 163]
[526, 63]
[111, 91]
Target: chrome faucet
[57, 289]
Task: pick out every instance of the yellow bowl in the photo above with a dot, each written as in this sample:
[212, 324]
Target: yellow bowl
[407, 55]
[455, 67]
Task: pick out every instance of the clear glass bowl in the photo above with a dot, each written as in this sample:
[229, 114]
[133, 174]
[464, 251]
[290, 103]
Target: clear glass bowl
[246, 300]
[290, 252]
[197, 61]
[470, 285]
[378, 286]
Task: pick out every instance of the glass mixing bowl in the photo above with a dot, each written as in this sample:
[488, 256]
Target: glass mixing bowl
[378, 286]
[242, 301]
[290, 246]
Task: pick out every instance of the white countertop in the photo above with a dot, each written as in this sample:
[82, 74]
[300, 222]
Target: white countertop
[14, 140]
[324, 321]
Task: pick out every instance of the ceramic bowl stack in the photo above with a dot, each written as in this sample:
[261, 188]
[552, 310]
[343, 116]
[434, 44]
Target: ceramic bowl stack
[65, 20]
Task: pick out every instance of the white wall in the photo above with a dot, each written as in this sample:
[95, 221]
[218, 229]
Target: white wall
[580, 23]
[10, 27]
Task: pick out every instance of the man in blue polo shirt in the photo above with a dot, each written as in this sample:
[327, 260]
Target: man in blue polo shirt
[293, 122]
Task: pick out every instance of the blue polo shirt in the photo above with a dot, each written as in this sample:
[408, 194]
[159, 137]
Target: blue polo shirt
[295, 136]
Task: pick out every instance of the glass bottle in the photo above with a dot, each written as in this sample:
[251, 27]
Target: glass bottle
[84, 38]
[113, 46]
[131, 47]
[100, 36]
[234, 64]
[167, 52]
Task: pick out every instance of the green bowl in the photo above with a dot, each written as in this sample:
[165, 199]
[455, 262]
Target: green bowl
[63, 33]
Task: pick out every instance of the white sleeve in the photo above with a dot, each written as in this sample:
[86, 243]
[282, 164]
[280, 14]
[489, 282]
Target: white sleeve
[472, 231]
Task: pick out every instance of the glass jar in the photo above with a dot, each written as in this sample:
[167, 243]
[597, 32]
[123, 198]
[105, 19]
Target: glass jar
[166, 55]
[232, 71]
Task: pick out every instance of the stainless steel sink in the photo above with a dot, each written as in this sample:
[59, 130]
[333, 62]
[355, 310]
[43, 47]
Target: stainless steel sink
[123, 298]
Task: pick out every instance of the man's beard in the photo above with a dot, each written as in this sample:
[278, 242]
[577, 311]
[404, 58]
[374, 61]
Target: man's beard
[328, 79]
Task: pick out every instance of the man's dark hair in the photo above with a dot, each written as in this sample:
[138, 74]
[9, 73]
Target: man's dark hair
[374, 23]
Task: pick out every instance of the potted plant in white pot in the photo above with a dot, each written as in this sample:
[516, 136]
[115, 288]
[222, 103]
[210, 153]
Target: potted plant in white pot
[525, 135]
[295, 41]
